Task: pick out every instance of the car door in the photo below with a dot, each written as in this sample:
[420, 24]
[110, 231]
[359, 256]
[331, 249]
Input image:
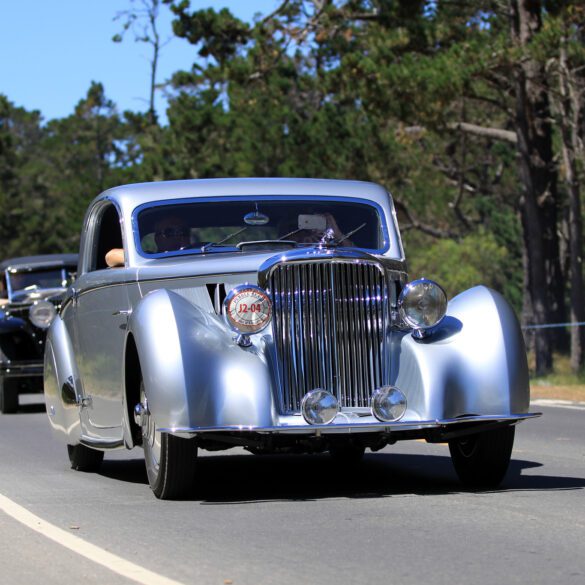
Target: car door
[101, 310]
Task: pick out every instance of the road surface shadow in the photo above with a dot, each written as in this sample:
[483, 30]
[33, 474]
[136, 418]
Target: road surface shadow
[238, 479]
[130, 471]
[31, 408]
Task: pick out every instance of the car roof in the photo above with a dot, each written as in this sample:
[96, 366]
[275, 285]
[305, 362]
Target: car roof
[131, 196]
[40, 261]
[127, 198]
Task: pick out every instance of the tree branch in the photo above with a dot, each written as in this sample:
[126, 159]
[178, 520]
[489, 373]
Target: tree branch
[495, 133]
[416, 224]
[278, 10]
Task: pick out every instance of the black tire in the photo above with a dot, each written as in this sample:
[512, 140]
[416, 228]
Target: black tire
[84, 459]
[346, 452]
[8, 395]
[171, 462]
[481, 460]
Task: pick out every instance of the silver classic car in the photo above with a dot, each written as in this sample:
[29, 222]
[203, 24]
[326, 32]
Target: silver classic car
[276, 315]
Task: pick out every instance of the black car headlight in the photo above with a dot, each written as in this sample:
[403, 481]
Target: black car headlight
[422, 304]
[41, 314]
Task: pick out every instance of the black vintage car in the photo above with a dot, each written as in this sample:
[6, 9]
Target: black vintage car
[31, 289]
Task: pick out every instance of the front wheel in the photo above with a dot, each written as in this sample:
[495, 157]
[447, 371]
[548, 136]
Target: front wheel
[170, 460]
[481, 460]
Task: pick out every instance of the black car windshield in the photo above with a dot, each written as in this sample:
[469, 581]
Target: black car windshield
[228, 225]
[38, 279]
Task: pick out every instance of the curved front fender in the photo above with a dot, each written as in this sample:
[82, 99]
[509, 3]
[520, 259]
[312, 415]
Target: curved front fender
[473, 363]
[193, 372]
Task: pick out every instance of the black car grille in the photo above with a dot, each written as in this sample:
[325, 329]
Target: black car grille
[330, 320]
[17, 346]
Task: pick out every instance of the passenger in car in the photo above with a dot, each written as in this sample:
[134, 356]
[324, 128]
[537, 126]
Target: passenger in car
[115, 258]
[303, 232]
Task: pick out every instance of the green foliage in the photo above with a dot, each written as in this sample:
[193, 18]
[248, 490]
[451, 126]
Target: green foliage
[220, 33]
[53, 171]
[456, 266]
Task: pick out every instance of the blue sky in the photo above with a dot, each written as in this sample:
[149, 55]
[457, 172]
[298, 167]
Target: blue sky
[51, 50]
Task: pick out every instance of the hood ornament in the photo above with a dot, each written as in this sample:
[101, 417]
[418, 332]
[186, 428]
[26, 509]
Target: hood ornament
[328, 239]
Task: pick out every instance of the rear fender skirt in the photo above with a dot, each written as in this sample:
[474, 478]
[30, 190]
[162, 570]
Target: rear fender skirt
[61, 383]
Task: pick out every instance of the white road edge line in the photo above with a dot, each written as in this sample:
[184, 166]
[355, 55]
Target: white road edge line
[82, 547]
[558, 403]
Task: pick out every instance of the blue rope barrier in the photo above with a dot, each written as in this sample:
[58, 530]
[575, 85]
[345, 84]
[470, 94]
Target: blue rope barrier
[553, 325]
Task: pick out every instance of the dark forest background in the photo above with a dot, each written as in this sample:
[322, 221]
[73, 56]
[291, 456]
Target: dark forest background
[471, 113]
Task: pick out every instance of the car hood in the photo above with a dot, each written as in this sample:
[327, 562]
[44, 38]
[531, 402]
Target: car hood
[214, 263]
[241, 263]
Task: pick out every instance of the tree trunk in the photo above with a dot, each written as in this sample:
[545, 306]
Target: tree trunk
[569, 110]
[538, 176]
[156, 46]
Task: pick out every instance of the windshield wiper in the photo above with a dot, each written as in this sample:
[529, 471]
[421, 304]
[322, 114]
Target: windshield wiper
[348, 234]
[210, 245]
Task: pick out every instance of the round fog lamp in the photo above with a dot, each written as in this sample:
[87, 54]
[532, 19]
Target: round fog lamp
[422, 304]
[388, 404]
[319, 407]
[41, 314]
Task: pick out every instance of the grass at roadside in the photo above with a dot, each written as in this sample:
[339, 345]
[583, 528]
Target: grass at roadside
[561, 384]
[575, 393]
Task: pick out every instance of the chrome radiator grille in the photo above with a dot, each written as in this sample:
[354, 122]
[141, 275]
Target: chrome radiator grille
[329, 328]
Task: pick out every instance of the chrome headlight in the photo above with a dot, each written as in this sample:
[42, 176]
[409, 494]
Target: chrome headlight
[247, 309]
[422, 304]
[319, 407]
[41, 314]
[388, 404]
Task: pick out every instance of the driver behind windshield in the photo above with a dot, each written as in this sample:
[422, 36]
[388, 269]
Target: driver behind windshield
[171, 233]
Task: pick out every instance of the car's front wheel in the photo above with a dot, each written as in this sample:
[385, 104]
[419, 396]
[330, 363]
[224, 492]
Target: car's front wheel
[481, 460]
[8, 395]
[170, 460]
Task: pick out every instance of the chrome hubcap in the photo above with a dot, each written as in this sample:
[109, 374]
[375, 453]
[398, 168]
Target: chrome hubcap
[140, 411]
[151, 438]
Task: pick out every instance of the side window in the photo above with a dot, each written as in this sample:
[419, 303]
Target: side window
[108, 235]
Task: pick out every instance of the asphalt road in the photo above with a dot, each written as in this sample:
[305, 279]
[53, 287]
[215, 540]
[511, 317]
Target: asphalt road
[400, 517]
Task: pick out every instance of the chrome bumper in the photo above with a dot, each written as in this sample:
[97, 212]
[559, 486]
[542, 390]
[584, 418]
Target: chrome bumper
[31, 369]
[341, 425]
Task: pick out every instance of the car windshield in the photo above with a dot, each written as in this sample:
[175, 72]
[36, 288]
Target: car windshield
[228, 225]
[38, 279]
